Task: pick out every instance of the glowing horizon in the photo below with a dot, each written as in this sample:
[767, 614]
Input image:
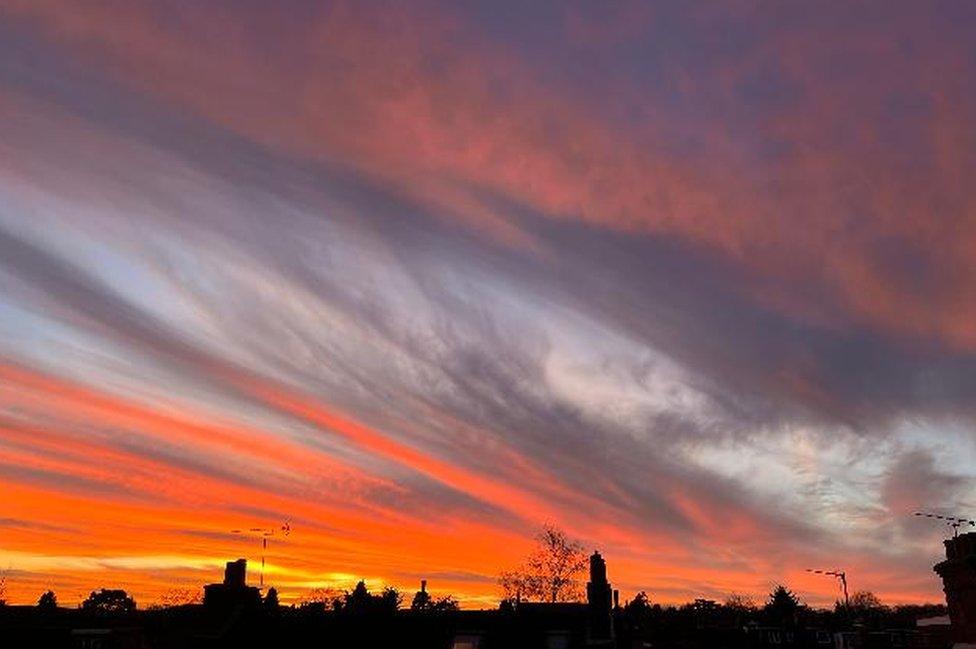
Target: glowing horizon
[692, 283]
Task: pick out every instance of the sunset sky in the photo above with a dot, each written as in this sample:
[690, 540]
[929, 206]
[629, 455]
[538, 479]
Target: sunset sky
[694, 281]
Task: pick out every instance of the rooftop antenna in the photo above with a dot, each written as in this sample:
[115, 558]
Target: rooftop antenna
[264, 534]
[952, 521]
[841, 577]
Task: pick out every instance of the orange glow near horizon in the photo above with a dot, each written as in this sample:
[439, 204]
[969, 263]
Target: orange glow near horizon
[160, 528]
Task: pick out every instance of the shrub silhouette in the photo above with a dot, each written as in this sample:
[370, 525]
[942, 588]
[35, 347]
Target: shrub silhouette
[48, 601]
[361, 602]
[109, 600]
[422, 601]
[782, 607]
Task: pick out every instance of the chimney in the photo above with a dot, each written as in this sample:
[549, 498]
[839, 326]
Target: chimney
[598, 569]
[235, 574]
[598, 600]
[423, 585]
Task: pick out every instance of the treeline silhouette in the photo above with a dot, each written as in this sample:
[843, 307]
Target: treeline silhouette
[359, 601]
[359, 617]
[781, 608]
[543, 605]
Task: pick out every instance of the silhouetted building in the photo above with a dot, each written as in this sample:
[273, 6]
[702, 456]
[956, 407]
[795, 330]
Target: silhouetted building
[235, 574]
[599, 603]
[530, 625]
[958, 574]
[234, 591]
[544, 625]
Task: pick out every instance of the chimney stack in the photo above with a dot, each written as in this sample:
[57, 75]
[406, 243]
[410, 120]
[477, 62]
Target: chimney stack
[598, 600]
[235, 574]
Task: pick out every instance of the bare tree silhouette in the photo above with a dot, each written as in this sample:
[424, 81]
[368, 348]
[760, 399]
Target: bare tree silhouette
[322, 599]
[864, 600]
[550, 573]
[178, 597]
[740, 602]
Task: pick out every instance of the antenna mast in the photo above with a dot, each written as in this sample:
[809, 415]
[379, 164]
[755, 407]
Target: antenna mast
[952, 521]
[841, 577]
[264, 534]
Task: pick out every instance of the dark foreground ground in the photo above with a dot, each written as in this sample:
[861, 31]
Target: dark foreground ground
[530, 627]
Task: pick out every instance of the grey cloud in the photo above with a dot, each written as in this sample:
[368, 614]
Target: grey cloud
[914, 482]
[59, 480]
[39, 526]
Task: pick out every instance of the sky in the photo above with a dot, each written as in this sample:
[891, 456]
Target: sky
[692, 281]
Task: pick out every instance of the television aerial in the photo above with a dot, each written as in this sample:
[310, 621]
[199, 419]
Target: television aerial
[952, 521]
[264, 533]
[841, 577]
